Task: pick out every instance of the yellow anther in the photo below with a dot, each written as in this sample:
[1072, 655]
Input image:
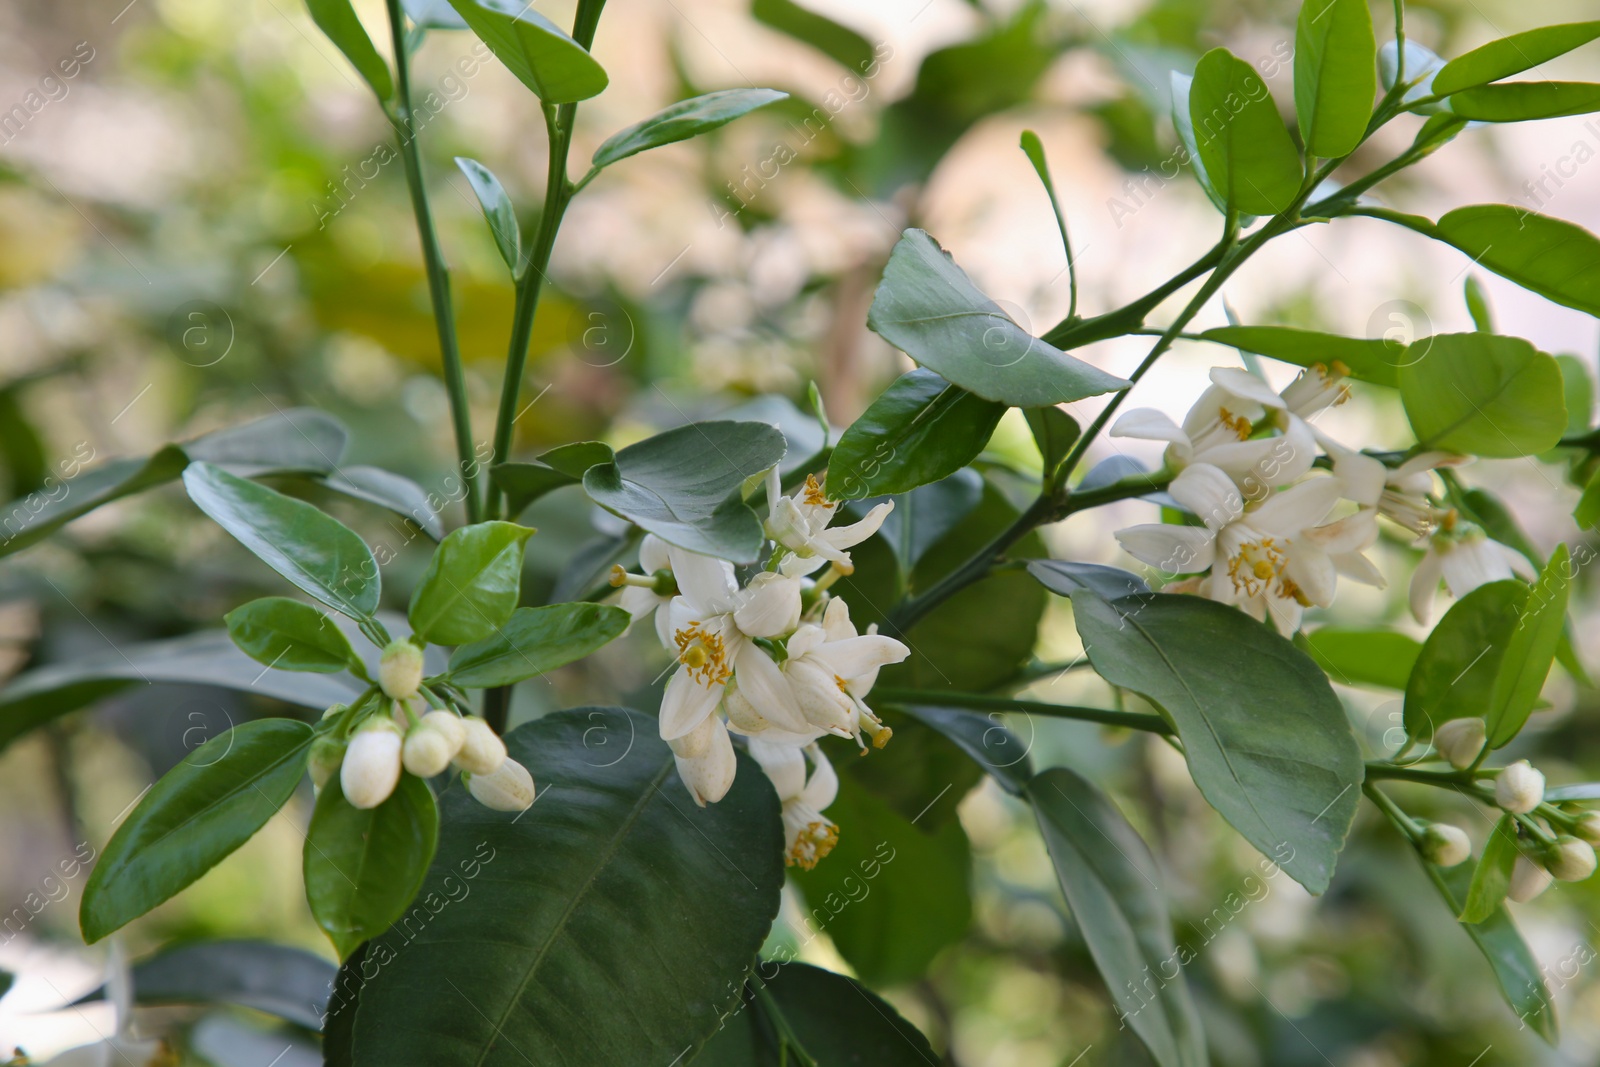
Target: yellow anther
[619, 576]
[814, 495]
[812, 844]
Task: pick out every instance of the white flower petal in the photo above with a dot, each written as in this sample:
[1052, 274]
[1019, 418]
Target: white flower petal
[769, 606]
[707, 583]
[1424, 584]
[836, 620]
[1209, 493]
[709, 777]
[823, 785]
[857, 532]
[1292, 510]
[785, 766]
[1358, 568]
[1148, 424]
[767, 690]
[1169, 548]
[1243, 384]
[653, 555]
[685, 704]
[855, 656]
[1313, 571]
[808, 637]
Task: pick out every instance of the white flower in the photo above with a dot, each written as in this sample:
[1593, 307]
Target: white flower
[1587, 827]
[400, 670]
[1465, 557]
[769, 606]
[1519, 788]
[1421, 64]
[371, 767]
[705, 760]
[1446, 845]
[1317, 388]
[808, 834]
[644, 594]
[1400, 495]
[509, 788]
[800, 524]
[433, 743]
[481, 750]
[1460, 741]
[1570, 860]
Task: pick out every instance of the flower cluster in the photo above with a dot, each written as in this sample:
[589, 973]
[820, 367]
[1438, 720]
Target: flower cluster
[776, 659]
[1276, 534]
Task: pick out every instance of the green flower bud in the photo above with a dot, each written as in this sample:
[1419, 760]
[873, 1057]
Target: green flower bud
[400, 670]
[327, 753]
[1570, 860]
[1587, 827]
[1445, 845]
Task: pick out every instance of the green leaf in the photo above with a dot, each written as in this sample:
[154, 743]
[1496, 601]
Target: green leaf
[363, 867]
[212, 802]
[1477, 304]
[433, 14]
[299, 440]
[314, 551]
[890, 934]
[1551, 257]
[837, 1019]
[1578, 388]
[1055, 432]
[1335, 75]
[1512, 55]
[617, 890]
[471, 585]
[839, 43]
[576, 458]
[985, 738]
[1266, 738]
[921, 429]
[1183, 124]
[1483, 395]
[523, 483]
[1587, 513]
[1520, 977]
[1113, 887]
[1063, 577]
[1491, 878]
[683, 120]
[1246, 150]
[534, 642]
[37, 516]
[289, 635]
[1557, 794]
[1379, 658]
[1531, 650]
[388, 490]
[927, 307]
[683, 485]
[1456, 670]
[551, 64]
[338, 20]
[923, 516]
[1526, 101]
[1376, 361]
[923, 775]
[497, 211]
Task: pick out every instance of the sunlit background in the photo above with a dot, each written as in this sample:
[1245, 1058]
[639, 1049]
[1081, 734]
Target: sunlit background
[206, 222]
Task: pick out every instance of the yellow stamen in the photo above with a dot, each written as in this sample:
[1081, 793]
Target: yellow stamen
[703, 654]
[1237, 423]
[814, 495]
[1253, 569]
[619, 576]
[1290, 591]
[813, 843]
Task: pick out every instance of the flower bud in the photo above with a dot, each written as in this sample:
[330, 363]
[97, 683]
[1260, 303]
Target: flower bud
[433, 743]
[372, 763]
[1570, 860]
[481, 751]
[400, 670]
[1528, 880]
[1460, 741]
[1587, 827]
[1446, 845]
[1519, 788]
[508, 789]
[327, 753]
[334, 709]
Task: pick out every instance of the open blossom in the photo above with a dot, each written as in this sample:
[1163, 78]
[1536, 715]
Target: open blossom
[1465, 557]
[646, 594]
[808, 834]
[799, 523]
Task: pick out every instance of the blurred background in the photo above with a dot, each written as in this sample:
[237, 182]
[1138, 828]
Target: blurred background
[206, 222]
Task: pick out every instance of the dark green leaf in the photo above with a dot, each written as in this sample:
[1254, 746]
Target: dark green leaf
[314, 551]
[616, 890]
[575, 459]
[927, 307]
[1246, 150]
[364, 866]
[1456, 670]
[471, 585]
[523, 483]
[1483, 395]
[1335, 75]
[212, 802]
[1512, 55]
[289, 635]
[1376, 361]
[985, 737]
[38, 515]
[683, 120]
[338, 20]
[1064, 577]
[839, 43]
[921, 429]
[1515, 968]
[1381, 658]
[1055, 432]
[299, 440]
[386, 489]
[682, 485]
[923, 775]
[1531, 650]
[541, 55]
[1113, 887]
[1267, 740]
[1526, 101]
[535, 641]
[497, 211]
[923, 516]
[1491, 878]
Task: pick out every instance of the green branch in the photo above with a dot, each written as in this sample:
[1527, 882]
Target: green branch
[1154, 724]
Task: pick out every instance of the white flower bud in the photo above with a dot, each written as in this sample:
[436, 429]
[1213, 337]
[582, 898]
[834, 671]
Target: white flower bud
[1519, 788]
[1570, 860]
[1528, 880]
[372, 763]
[769, 606]
[481, 751]
[327, 753]
[1460, 741]
[433, 743]
[1587, 828]
[1446, 845]
[400, 670]
[508, 789]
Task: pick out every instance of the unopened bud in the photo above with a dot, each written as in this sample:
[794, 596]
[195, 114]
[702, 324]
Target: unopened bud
[481, 751]
[400, 670]
[334, 709]
[1528, 880]
[1460, 741]
[372, 763]
[1519, 788]
[1570, 860]
[508, 789]
[433, 743]
[327, 753]
[1446, 845]
[1587, 827]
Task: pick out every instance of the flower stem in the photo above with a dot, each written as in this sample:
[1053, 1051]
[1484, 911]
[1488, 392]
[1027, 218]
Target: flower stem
[985, 702]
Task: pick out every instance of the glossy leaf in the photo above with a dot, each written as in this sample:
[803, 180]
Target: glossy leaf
[1183, 124]
[1335, 75]
[289, 635]
[1456, 670]
[1551, 257]
[296, 440]
[1483, 395]
[1512, 55]
[363, 867]
[1246, 150]
[921, 429]
[682, 485]
[1379, 658]
[1531, 650]
[1376, 361]
[683, 120]
[314, 551]
[1491, 878]
[551, 64]
[925, 779]
[498, 211]
[523, 483]
[839, 43]
[576, 458]
[535, 641]
[922, 517]
[338, 20]
[388, 490]
[36, 516]
[1064, 577]
[471, 585]
[985, 738]
[1526, 101]
[1578, 387]
[1516, 969]
[1055, 432]
[1113, 888]
[927, 307]
[1267, 740]
[212, 802]
[567, 908]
